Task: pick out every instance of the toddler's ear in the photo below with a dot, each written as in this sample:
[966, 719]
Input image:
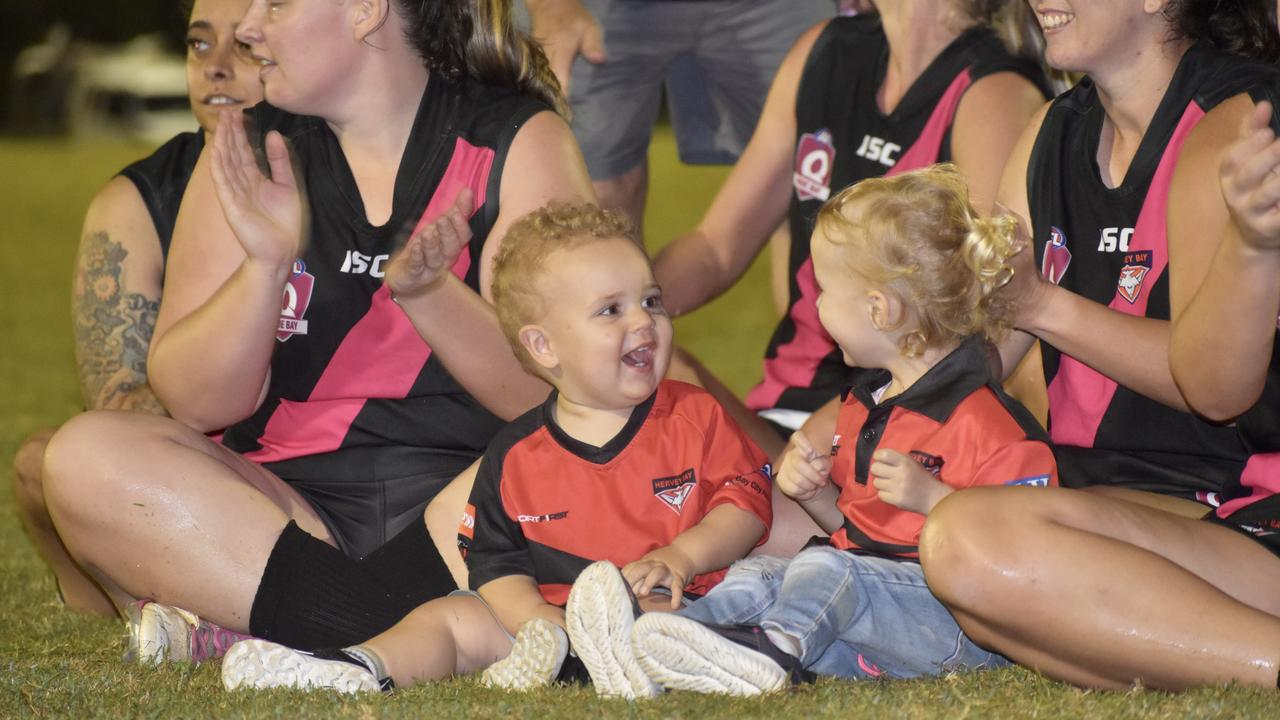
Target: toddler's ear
[885, 310]
[537, 343]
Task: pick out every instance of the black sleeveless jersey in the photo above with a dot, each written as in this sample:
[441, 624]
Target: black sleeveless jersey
[842, 138]
[161, 179]
[1110, 245]
[349, 370]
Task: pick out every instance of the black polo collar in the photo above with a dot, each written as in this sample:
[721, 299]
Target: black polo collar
[937, 393]
[591, 453]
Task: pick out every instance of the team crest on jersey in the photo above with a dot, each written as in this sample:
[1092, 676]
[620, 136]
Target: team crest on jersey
[1132, 273]
[293, 306]
[674, 490]
[932, 463]
[1056, 256]
[815, 156]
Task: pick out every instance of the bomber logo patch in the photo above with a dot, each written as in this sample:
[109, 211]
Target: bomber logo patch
[1132, 273]
[674, 490]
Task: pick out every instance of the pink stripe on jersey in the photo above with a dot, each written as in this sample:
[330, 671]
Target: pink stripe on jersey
[1079, 395]
[796, 363]
[924, 151]
[384, 334]
[1262, 474]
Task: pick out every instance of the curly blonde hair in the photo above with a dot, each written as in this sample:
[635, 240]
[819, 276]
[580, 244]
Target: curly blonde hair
[525, 255]
[917, 236]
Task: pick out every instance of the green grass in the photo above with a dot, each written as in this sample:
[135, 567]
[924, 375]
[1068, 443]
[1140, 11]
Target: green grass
[54, 663]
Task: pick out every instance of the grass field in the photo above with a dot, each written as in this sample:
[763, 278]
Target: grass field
[54, 663]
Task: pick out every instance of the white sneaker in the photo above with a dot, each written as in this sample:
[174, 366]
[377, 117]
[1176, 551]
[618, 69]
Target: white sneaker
[163, 633]
[535, 659]
[260, 664]
[599, 616]
[683, 654]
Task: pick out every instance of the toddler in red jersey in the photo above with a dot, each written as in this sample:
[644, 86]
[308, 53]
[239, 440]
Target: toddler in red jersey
[908, 277]
[618, 465]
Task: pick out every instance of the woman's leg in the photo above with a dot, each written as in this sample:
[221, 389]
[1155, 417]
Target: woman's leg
[78, 590]
[153, 509]
[1105, 593]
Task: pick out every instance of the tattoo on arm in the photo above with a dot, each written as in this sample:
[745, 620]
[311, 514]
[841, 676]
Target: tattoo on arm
[112, 330]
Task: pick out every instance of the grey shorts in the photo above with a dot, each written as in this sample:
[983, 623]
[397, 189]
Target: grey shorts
[715, 58]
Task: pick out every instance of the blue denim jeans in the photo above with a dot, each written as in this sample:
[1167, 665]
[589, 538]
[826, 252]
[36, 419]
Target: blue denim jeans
[854, 616]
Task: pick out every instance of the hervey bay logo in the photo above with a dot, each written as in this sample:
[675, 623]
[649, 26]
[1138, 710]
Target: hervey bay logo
[674, 490]
[932, 463]
[1056, 256]
[1132, 273]
[293, 306]
[815, 156]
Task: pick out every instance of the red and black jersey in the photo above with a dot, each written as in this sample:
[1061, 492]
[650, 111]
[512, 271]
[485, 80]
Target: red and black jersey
[546, 505]
[842, 138]
[350, 371]
[955, 421]
[1111, 245]
[162, 177]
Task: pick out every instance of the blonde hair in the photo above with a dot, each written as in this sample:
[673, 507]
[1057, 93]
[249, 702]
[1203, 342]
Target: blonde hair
[525, 256]
[917, 236]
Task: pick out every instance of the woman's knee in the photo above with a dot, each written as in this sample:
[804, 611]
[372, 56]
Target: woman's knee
[968, 538]
[86, 457]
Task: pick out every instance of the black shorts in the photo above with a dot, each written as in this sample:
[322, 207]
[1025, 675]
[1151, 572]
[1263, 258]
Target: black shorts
[1259, 520]
[366, 496]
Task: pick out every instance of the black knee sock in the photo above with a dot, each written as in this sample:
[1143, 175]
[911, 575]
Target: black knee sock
[410, 566]
[312, 596]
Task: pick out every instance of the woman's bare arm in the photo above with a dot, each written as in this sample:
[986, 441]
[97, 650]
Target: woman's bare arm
[696, 267]
[115, 298]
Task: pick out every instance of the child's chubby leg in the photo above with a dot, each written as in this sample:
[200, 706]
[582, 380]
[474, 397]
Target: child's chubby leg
[454, 635]
[862, 616]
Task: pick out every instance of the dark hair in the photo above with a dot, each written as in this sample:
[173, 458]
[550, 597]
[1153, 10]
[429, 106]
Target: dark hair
[1240, 27]
[479, 39]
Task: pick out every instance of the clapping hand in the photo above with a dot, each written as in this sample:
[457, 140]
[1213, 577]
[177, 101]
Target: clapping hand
[431, 251]
[265, 213]
[1250, 176]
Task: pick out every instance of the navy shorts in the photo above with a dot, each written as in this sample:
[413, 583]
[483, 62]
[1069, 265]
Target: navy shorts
[366, 496]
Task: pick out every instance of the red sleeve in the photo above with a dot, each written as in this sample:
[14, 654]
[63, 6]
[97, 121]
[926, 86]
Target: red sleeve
[734, 470]
[1026, 462]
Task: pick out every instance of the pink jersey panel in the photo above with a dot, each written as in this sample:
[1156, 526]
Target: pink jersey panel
[383, 341]
[1079, 395]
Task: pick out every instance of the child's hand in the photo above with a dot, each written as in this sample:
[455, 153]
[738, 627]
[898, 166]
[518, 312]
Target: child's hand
[431, 251]
[904, 483]
[804, 471]
[665, 567]
[1250, 176]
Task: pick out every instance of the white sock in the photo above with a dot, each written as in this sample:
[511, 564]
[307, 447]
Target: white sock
[783, 642]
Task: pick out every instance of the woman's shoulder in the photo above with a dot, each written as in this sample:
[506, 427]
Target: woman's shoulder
[478, 104]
